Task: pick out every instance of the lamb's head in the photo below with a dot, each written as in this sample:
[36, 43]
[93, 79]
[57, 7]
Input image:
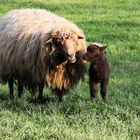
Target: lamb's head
[67, 42]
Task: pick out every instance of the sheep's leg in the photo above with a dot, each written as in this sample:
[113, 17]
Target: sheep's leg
[93, 90]
[59, 94]
[10, 84]
[60, 97]
[20, 89]
[40, 97]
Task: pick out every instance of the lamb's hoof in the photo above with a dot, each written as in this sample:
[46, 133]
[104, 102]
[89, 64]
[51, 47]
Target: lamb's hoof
[93, 99]
[104, 100]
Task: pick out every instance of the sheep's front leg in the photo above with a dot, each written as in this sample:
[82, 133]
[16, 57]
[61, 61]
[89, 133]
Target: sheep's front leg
[20, 89]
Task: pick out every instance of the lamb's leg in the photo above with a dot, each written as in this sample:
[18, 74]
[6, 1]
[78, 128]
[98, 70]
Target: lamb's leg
[104, 86]
[10, 84]
[93, 90]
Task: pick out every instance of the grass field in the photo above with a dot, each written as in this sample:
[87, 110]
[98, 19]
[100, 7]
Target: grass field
[112, 22]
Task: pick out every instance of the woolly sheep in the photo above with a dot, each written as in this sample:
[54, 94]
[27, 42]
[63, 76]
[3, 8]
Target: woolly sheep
[37, 47]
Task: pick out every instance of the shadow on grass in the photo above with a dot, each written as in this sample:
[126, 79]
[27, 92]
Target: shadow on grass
[45, 100]
[3, 97]
[49, 105]
[26, 107]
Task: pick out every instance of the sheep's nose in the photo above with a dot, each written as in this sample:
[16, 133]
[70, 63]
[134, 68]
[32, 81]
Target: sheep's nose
[71, 58]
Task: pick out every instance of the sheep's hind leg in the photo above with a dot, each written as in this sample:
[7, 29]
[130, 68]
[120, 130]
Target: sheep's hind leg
[40, 96]
[20, 89]
[11, 90]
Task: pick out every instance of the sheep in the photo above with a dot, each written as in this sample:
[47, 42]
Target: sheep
[38, 47]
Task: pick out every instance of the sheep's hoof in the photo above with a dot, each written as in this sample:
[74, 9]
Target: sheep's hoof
[60, 99]
[11, 97]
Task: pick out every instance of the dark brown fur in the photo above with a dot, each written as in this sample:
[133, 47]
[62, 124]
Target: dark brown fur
[98, 71]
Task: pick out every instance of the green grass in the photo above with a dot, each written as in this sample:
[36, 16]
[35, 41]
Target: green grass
[112, 22]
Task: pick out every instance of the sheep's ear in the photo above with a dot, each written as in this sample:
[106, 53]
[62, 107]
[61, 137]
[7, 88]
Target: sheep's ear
[49, 49]
[46, 39]
[80, 37]
[49, 41]
[52, 49]
[102, 48]
[49, 46]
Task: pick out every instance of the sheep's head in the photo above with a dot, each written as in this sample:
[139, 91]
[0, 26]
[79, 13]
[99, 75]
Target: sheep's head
[66, 42]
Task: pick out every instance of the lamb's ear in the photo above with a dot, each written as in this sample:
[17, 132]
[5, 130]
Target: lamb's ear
[102, 48]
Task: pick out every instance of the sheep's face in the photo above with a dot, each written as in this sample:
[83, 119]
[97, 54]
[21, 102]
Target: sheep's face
[67, 43]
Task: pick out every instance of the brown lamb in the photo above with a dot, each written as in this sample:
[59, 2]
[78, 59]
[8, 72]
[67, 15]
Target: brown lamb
[99, 69]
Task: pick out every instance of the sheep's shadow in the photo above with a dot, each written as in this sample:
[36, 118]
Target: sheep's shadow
[3, 97]
[49, 105]
[45, 100]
